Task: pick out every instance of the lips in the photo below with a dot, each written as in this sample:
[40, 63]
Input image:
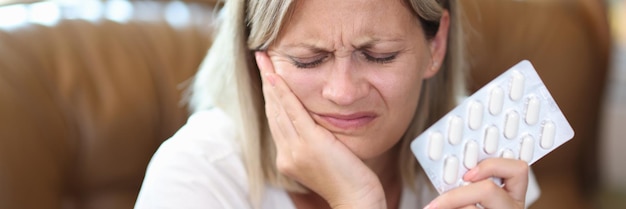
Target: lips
[347, 121]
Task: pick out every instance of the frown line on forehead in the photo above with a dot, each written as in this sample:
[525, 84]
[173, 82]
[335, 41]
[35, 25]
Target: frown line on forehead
[318, 45]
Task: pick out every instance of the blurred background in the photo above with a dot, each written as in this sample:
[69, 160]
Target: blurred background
[89, 89]
[613, 128]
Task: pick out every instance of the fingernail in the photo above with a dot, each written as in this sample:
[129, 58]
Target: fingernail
[258, 56]
[470, 174]
[270, 78]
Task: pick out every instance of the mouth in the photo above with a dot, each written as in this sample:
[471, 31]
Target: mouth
[346, 122]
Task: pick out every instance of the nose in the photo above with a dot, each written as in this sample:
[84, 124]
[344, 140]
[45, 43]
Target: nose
[345, 84]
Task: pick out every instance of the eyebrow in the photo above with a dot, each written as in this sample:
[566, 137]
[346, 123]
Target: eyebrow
[370, 42]
[311, 47]
[365, 44]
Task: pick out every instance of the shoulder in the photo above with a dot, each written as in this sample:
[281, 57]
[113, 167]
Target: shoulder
[206, 141]
[200, 166]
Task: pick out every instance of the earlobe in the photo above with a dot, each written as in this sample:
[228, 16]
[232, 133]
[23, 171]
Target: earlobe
[438, 45]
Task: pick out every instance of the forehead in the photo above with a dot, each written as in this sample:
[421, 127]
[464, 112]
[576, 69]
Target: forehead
[344, 21]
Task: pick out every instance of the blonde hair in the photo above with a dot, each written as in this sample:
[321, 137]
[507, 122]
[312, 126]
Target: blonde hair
[229, 79]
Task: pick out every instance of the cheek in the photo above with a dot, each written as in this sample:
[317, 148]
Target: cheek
[400, 90]
[302, 82]
[400, 85]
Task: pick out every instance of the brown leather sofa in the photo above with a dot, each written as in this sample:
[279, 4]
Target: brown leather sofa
[83, 105]
[568, 42]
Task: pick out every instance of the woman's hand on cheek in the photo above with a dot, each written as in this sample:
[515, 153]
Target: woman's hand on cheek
[312, 155]
[484, 191]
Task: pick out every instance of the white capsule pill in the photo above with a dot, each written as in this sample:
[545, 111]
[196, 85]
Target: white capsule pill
[547, 135]
[517, 86]
[475, 115]
[470, 157]
[507, 153]
[435, 146]
[532, 111]
[527, 149]
[491, 140]
[496, 100]
[511, 125]
[455, 130]
[450, 170]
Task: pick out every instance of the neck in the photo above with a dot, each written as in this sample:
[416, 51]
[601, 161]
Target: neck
[385, 166]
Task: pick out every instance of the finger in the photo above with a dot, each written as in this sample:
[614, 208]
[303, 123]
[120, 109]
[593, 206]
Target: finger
[470, 207]
[280, 126]
[273, 119]
[299, 117]
[485, 192]
[514, 174]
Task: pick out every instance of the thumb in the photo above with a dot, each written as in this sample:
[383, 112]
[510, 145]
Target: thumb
[264, 63]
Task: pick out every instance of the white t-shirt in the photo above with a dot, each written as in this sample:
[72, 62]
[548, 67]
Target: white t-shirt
[200, 167]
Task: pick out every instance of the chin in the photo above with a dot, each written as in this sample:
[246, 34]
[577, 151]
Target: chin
[367, 148]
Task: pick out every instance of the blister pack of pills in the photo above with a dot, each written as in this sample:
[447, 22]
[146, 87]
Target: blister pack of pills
[513, 116]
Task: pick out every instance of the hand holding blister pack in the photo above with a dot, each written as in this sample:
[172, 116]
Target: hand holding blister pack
[513, 116]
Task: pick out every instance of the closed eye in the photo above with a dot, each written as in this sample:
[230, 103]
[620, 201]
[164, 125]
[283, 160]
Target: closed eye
[308, 62]
[379, 58]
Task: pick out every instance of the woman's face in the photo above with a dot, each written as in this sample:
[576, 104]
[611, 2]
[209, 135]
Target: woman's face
[357, 67]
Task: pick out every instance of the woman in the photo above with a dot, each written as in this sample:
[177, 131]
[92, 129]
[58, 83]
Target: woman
[313, 104]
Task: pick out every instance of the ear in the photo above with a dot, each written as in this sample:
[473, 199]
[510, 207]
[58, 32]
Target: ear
[438, 45]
